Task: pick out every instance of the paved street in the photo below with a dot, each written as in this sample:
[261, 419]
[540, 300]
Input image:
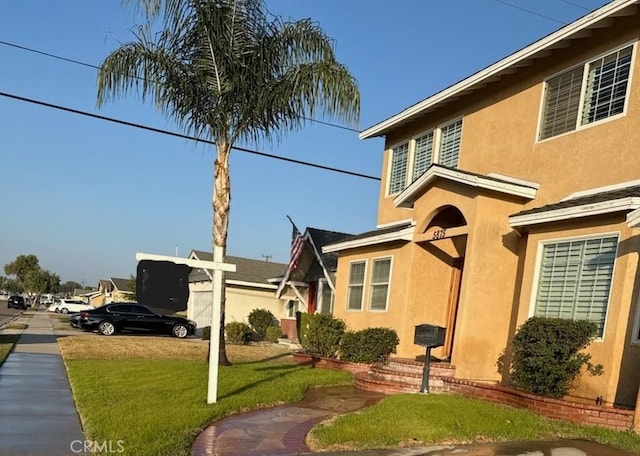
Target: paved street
[7, 314]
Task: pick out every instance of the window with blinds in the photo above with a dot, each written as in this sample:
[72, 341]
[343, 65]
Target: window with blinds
[380, 274]
[411, 159]
[399, 161]
[423, 155]
[575, 279]
[602, 84]
[450, 136]
[355, 293]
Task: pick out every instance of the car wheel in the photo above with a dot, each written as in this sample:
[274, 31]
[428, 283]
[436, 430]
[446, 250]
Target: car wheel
[64, 310]
[106, 328]
[180, 331]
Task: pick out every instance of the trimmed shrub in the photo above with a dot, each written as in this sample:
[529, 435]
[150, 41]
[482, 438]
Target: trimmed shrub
[302, 328]
[273, 334]
[369, 345]
[260, 320]
[324, 334]
[206, 333]
[545, 355]
[238, 333]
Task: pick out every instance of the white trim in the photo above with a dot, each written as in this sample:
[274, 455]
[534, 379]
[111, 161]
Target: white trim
[396, 223]
[633, 219]
[243, 283]
[505, 64]
[406, 198]
[319, 258]
[608, 188]
[386, 304]
[635, 340]
[199, 264]
[402, 235]
[538, 265]
[585, 64]
[585, 210]
[364, 284]
[515, 180]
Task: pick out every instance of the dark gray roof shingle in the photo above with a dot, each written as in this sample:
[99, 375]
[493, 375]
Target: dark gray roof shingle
[247, 270]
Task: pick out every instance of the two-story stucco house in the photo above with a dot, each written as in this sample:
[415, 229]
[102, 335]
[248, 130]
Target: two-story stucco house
[512, 194]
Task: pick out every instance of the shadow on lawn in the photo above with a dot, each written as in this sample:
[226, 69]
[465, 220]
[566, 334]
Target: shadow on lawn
[262, 360]
[279, 371]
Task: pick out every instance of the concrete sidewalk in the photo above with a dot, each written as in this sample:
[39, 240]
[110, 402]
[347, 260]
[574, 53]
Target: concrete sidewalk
[37, 411]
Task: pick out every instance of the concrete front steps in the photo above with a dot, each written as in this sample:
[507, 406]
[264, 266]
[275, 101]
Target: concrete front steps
[403, 375]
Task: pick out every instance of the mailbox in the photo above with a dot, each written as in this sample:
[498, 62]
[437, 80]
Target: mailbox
[429, 335]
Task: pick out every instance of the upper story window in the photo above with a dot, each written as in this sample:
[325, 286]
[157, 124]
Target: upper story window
[412, 158]
[591, 92]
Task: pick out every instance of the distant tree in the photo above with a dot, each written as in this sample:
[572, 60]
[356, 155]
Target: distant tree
[69, 286]
[39, 281]
[13, 286]
[22, 266]
[131, 286]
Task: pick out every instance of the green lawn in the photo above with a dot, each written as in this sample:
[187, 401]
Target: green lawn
[6, 344]
[412, 419]
[157, 407]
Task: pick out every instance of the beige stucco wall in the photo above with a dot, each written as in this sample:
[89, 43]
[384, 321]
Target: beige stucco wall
[500, 127]
[499, 136]
[240, 301]
[616, 385]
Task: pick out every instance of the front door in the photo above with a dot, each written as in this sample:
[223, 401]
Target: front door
[454, 298]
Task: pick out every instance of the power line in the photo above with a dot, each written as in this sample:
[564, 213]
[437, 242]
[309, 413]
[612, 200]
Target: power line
[577, 5]
[531, 12]
[97, 67]
[180, 135]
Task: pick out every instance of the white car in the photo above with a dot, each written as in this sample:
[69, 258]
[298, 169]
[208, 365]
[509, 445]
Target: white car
[66, 306]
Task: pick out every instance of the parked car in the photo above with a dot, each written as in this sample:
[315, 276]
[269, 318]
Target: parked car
[69, 305]
[18, 302]
[122, 316]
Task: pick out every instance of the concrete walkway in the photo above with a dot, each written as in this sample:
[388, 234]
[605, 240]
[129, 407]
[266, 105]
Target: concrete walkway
[281, 430]
[37, 412]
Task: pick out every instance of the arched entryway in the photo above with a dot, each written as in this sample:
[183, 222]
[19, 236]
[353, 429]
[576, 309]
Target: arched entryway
[445, 235]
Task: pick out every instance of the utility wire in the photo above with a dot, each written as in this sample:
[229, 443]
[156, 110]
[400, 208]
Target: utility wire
[577, 5]
[180, 135]
[531, 12]
[89, 65]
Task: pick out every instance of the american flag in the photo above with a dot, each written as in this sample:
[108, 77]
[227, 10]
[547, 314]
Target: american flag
[297, 246]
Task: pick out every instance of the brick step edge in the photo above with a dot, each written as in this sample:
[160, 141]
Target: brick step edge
[372, 382]
[440, 370]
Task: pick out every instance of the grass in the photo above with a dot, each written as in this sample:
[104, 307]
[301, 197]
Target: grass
[150, 392]
[409, 420]
[6, 344]
[16, 326]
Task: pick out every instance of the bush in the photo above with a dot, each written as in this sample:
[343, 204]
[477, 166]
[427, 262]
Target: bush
[206, 333]
[260, 320]
[545, 355]
[369, 345]
[324, 334]
[302, 328]
[273, 334]
[238, 333]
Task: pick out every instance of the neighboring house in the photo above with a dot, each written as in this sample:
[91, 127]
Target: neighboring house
[113, 290]
[92, 297]
[309, 280]
[512, 193]
[250, 287]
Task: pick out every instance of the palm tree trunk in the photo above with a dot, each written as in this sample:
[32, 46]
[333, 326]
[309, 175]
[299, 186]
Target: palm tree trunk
[221, 205]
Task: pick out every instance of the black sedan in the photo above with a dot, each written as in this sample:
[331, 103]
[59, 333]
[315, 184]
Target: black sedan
[120, 316]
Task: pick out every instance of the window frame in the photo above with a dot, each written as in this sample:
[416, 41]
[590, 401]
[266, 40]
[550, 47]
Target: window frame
[585, 64]
[635, 334]
[292, 304]
[363, 285]
[388, 283]
[323, 284]
[538, 270]
[411, 152]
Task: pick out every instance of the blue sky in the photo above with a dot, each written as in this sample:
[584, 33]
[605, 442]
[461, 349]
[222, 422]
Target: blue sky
[85, 195]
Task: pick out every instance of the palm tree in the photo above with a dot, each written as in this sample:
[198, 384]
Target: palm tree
[227, 71]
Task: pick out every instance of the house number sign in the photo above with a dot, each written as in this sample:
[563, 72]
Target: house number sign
[440, 234]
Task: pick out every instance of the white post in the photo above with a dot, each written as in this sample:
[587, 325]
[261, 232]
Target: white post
[214, 343]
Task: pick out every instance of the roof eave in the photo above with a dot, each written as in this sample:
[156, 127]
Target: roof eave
[495, 69]
[402, 235]
[586, 210]
[407, 197]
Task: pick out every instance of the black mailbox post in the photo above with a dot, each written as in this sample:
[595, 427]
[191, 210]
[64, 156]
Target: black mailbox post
[429, 336]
